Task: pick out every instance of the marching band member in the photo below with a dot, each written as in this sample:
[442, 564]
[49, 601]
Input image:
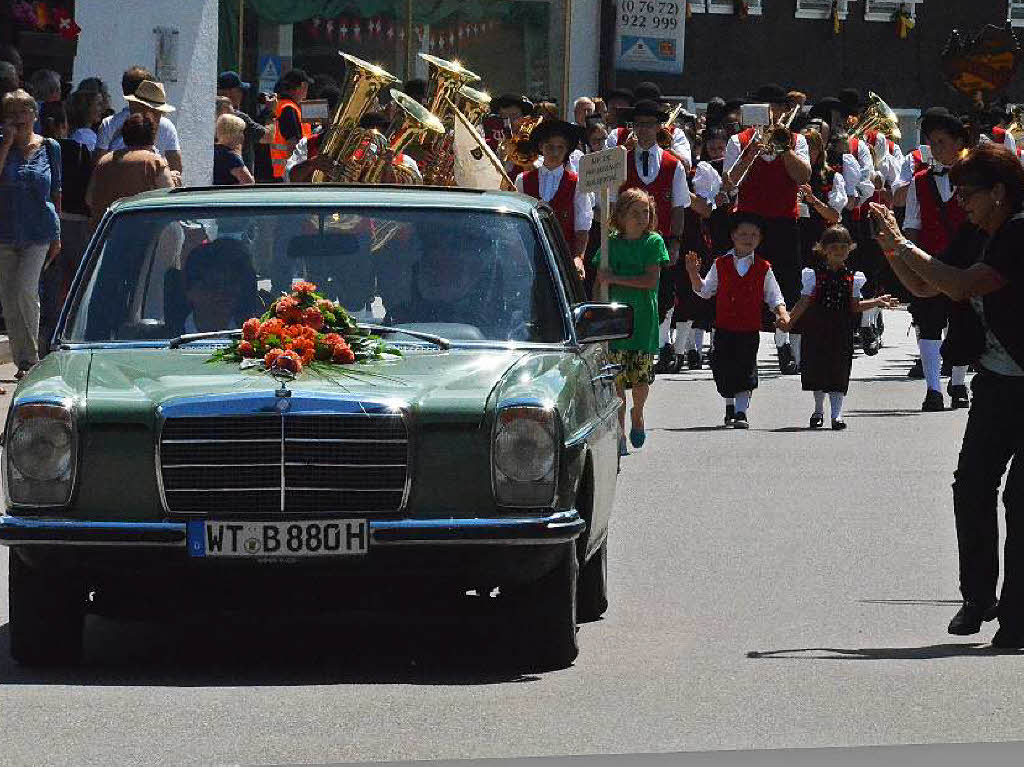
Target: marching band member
[556, 184]
[619, 103]
[659, 173]
[769, 188]
[680, 146]
[913, 163]
[824, 196]
[933, 218]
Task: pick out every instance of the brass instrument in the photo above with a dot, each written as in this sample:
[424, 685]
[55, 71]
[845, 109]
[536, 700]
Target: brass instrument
[778, 136]
[413, 123]
[343, 137]
[665, 132]
[474, 104]
[876, 116]
[444, 81]
[1016, 126]
[517, 148]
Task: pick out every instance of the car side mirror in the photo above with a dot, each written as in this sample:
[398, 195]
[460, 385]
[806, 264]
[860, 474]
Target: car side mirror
[602, 322]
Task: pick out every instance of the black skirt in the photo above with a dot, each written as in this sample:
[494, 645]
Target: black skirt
[734, 364]
[826, 351]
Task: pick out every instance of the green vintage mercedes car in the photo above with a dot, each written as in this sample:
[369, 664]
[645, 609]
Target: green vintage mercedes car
[479, 455]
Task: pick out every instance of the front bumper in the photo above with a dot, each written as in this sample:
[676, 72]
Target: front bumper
[559, 527]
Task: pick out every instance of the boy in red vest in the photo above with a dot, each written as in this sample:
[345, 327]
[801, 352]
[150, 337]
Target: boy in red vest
[769, 188]
[659, 173]
[557, 185]
[932, 220]
[744, 283]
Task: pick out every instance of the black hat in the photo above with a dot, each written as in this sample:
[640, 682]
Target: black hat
[620, 93]
[512, 100]
[415, 89]
[293, 78]
[572, 133]
[851, 100]
[230, 79]
[940, 118]
[648, 108]
[773, 93]
[647, 90]
[823, 108]
[374, 120]
[731, 105]
[745, 217]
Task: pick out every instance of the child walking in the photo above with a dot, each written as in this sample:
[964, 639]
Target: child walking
[636, 253]
[743, 281]
[830, 295]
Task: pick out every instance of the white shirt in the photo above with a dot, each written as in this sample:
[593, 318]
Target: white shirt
[733, 151]
[808, 281]
[906, 174]
[772, 292]
[109, 136]
[859, 187]
[548, 181]
[707, 183]
[680, 143]
[912, 218]
[86, 137]
[891, 162]
[837, 197]
[680, 186]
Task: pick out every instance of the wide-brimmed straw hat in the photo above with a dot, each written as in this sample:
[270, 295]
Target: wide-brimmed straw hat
[151, 94]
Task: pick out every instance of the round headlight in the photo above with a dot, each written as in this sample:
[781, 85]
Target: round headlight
[40, 449]
[524, 450]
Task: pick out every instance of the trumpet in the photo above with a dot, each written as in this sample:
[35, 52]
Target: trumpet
[665, 131]
[517, 148]
[778, 137]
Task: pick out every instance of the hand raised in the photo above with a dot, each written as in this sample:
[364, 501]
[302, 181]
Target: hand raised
[692, 262]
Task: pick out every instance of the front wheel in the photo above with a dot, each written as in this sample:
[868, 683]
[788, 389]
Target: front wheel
[47, 616]
[592, 591]
[546, 615]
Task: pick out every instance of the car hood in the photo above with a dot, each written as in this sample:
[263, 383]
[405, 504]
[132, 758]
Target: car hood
[451, 385]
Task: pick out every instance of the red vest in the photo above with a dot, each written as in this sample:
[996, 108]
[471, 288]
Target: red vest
[739, 299]
[937, 226]
[768, 189]
[919, 163]
[563, 203]
[660, 188]
[872, 136]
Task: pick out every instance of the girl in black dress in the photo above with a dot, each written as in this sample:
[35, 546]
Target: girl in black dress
[831, 293]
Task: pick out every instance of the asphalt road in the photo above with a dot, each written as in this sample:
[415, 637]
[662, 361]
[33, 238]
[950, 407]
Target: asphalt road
[772, 588]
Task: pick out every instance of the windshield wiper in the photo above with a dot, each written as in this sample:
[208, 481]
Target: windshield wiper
[442, 343]
[174, 343]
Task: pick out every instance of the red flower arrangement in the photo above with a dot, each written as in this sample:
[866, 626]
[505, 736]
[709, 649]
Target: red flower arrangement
[303, 329]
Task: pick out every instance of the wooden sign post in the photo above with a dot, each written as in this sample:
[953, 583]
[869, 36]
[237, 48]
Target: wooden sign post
[600, 172]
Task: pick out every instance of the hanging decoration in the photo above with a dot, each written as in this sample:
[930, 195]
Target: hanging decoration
[904, 21]
[45, 17]
[689, 10]
[834, 18]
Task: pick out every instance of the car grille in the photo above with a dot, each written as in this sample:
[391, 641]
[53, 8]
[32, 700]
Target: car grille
[292, 464]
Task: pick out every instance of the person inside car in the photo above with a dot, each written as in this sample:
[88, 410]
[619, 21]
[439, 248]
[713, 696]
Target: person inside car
[217, 287]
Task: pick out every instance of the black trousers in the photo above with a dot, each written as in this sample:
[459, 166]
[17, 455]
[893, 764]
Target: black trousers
[780, 246]
[994, 438]
[930, 315]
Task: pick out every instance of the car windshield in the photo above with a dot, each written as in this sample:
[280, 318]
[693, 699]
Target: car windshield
[462, 275]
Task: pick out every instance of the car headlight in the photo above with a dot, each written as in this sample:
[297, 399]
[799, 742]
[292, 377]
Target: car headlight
[524, 452]
[40, 451]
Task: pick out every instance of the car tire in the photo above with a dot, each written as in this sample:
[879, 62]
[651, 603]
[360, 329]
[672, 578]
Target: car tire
[547, 615]
[592, 589]
[47, 616]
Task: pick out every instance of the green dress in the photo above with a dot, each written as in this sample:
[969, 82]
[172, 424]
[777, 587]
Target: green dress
[631, 258]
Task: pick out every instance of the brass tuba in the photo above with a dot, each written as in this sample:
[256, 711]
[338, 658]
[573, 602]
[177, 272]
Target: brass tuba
[1016, 126]
[517, 148]
[474, 104]
[414, 123]
[877, 116]
[343, 138]
[445, 80]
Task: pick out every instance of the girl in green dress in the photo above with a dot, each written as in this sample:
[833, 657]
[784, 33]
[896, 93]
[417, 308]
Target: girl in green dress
[636, 253]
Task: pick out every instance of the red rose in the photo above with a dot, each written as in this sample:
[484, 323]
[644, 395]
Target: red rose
[333, 339]
[343, 355]
[305, 348]
[272, 357]
[313, 318]
[324, 305]
[246, 350]
[289, 360]
[272, 327]
[303, 287]
[251, 329]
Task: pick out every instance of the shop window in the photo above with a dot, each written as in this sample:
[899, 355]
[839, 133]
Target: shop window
[698, 6]
[820, 9]
[729, 6]
[1015, 13]
[883, 10]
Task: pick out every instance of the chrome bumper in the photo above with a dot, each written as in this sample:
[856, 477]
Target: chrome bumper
[559, 527]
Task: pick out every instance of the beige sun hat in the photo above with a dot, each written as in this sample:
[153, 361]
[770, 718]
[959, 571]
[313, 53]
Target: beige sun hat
[151, 94]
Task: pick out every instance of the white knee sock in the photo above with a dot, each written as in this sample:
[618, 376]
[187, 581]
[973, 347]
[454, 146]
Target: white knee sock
[835, 400]
[869, 317]
[742, 401]
[959, 375]
[794, 341]
[819, 403]
[665, 330]
[931, 361]
[683, 331]
[698, 339]
[781, 338]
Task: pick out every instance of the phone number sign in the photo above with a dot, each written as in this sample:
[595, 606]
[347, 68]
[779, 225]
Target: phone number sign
[649, 35]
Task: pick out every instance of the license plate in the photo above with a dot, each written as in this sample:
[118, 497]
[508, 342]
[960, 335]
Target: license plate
[292, 538]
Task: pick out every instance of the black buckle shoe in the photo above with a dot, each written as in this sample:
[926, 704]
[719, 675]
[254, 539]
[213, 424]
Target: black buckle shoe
[730, 414]
[1008, 638]
[693, 360]
[869, 341]
[787, 363]
[916, 370]
[838, 424]
[933, 402]
[958, 396]
[817, 421]
[740, 421]
[970, 616]
[666, 359]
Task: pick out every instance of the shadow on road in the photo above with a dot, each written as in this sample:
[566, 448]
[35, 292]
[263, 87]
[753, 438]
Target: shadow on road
[895, 413]
[281, 652]
[925, 602]
[928, 652]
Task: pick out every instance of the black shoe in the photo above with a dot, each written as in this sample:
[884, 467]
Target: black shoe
[666, 359]
[946, 370]
[933, 402]
[869, 341]
[730, 414]
[740, 421]
[916, 370]
[693, 360]
[838, 424]
[958, 396]
[787, 364]
[1007, 638]
[969, 617]
[817, 421]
